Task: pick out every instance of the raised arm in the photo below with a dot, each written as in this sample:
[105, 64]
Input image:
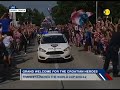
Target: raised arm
[3, 15]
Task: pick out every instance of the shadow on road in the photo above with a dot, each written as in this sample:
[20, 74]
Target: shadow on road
[9, 73]
[31, 51]
[81, 50]
[13, 73]
[29, 47]
[18, 59]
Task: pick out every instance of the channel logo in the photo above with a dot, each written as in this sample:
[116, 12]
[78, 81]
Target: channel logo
[17, 10]
[14, 9]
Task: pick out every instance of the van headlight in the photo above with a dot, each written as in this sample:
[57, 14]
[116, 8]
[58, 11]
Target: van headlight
[67, 49]
[41, 50]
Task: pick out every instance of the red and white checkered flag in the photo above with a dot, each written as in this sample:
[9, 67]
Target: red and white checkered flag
[89, 14]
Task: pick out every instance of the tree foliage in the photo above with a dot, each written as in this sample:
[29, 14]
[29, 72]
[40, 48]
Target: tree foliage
[3, 9]
[62, 11]
[30, 15]
[114, 9]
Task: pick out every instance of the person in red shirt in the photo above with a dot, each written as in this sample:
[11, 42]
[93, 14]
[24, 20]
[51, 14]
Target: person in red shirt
[96, 39]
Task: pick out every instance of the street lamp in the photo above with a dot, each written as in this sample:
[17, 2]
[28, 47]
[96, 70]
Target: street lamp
[96, 10]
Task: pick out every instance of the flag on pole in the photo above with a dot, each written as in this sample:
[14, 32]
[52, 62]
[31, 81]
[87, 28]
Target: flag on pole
[80, 17]
[83, 19]
[81, 11]
[72, 15]
[49, 10]
[89, 14]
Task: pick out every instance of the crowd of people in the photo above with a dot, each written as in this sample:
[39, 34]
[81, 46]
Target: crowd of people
[96, 38]
[13, 38]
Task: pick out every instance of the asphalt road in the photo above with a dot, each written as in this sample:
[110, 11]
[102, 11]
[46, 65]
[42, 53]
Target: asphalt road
[81, 59]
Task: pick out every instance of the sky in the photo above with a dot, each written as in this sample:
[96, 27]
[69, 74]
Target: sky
[40, 5]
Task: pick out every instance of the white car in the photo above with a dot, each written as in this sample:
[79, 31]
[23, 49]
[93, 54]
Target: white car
[54, 46]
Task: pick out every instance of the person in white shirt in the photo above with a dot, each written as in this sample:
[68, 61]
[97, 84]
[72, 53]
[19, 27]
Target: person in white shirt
[76, 27]
[7, 42]
[0, 27]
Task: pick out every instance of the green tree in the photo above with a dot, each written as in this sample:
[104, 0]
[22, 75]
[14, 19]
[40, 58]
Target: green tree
[25, 16]
[62, 12]
[114, 9]
[3, 10]
[31, 15]
[37, 17]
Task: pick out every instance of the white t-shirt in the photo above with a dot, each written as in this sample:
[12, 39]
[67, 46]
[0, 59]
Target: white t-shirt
[1, 29]
[7, 41]
[76, 28]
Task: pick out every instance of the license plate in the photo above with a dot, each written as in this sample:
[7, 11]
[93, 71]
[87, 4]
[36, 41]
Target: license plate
[54, 56]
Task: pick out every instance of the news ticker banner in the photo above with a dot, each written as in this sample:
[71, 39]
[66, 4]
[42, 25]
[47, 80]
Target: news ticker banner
[64, 74]
[14, 9]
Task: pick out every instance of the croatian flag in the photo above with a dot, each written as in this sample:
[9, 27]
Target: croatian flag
[80, 17]
[74, 17]
[89, 14]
